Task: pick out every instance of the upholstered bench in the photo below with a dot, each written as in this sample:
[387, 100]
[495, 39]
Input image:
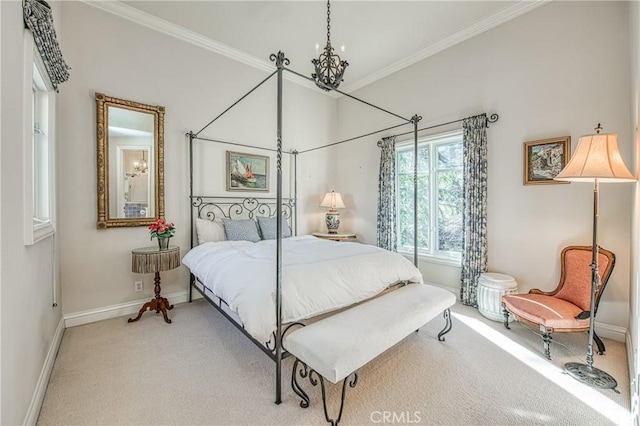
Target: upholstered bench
[334, 348]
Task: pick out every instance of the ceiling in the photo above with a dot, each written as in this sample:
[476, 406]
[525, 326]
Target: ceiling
[381, 37]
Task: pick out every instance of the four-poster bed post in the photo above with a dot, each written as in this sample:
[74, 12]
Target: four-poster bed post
[281, 62]
[415, 120]
[295, 191]
[191, 136]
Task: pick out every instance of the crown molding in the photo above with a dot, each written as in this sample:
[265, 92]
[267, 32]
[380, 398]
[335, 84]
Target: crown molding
[132, 14]
[486, 24]
[122, 10]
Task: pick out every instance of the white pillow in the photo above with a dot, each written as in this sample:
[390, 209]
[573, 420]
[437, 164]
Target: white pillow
[209, 231]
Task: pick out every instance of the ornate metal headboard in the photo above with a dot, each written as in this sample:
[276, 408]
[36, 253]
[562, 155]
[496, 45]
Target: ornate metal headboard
[218, 208]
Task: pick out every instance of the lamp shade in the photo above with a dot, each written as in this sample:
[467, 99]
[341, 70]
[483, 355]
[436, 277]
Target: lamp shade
[332, 200]
[596, 157]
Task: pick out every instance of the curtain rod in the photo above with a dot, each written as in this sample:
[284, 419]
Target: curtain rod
[350, 96]
[236, 102]
[292, 152]
[490, 119]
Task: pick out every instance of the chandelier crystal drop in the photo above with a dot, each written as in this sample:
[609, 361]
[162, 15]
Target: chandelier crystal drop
[329, 67]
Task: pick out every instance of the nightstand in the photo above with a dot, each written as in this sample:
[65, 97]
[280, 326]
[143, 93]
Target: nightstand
[335, 237]
[152, 259]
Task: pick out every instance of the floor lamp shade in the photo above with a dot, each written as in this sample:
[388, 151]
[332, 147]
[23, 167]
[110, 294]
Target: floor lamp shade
[596, 159]
[332, 200]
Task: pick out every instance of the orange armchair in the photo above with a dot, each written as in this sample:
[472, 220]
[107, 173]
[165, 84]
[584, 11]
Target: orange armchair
[565, 309]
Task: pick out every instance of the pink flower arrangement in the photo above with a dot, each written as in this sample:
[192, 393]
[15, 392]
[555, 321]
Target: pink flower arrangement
[162, 229]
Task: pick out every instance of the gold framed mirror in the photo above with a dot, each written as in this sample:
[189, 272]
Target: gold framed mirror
[130, 158]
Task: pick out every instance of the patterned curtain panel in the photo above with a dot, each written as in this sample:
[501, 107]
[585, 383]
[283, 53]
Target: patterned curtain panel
[474, 229]
[387, 238]
[39, 19]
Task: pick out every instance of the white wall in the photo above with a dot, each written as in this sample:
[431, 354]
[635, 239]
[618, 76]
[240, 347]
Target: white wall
[634, 302]
[125, 60]
[547, 73]
[27, 318]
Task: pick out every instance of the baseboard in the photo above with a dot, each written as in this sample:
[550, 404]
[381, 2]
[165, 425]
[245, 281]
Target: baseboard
[114, 311]
[608, 331]
[613, 332]
[38, 394]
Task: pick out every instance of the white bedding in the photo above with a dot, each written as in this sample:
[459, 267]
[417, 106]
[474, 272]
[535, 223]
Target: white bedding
[318, 276]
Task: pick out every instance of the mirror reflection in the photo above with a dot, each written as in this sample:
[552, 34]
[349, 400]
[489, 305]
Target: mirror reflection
[131, 136]
[130, 139]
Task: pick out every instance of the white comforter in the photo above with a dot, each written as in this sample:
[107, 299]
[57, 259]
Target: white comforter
[318, 276]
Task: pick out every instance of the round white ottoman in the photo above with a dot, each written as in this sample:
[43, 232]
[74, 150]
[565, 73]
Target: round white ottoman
[491, 287]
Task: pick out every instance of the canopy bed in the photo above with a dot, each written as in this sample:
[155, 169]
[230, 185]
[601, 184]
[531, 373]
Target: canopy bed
[280, 321]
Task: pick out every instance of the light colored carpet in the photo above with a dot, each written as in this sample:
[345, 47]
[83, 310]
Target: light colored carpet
[202, 370]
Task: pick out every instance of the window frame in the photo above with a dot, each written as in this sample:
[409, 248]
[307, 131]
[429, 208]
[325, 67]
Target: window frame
[38, 93]
[433, 141]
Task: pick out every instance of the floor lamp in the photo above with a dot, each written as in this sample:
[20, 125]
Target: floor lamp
[596, 159]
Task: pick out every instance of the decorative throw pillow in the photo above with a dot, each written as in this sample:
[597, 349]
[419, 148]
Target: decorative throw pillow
[209, 231]
[241, 230]
[268, 227]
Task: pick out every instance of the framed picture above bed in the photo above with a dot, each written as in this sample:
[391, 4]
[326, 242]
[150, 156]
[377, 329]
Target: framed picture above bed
[544, 159]
[247, 172]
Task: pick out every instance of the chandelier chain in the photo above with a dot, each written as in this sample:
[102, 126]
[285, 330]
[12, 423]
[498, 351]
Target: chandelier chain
[328, 23]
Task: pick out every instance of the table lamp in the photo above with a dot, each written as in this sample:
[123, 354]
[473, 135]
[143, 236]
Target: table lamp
[596, 159]
[333, 200]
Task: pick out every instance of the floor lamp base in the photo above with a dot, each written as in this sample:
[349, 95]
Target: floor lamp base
[591, 376]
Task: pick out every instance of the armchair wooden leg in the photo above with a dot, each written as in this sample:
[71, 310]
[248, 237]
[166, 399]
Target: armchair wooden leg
[506, 318]
[599, 343]
[546, 339]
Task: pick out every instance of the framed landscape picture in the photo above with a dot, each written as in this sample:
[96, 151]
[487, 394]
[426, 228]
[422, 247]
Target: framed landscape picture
[247, 172]
[545, 159]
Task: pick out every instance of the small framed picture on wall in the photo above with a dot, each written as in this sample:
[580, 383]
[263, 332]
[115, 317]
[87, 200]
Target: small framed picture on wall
[247, 172]
[544, 159]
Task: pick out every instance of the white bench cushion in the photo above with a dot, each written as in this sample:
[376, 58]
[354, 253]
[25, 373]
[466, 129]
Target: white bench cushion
[338, 345]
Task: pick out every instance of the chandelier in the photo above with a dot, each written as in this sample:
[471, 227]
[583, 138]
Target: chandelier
[141, 166]
[329, 67]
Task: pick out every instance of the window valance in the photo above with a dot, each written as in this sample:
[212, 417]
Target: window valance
[39, 19]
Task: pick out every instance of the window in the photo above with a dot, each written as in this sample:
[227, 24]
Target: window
[38, 149]
[439, 196]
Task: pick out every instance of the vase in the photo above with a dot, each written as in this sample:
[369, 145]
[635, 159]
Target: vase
[163, 243]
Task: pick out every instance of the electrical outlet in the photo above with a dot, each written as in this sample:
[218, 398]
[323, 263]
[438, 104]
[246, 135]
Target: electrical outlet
[137, 286]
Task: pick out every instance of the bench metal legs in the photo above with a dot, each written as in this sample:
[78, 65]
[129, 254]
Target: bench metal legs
[447, 326]
[305, 372]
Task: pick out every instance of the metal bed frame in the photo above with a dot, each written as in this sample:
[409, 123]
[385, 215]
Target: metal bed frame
[212, 208]
[197, 202]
